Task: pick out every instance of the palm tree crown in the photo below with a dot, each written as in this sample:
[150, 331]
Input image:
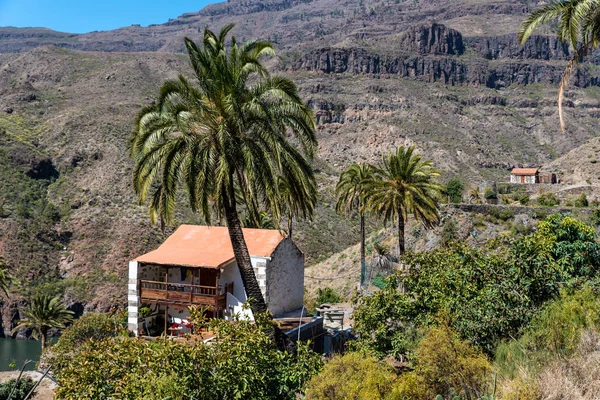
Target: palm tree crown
[404, 184]
[351, 195]
[44, 313]
[578, 25]
[227, 131]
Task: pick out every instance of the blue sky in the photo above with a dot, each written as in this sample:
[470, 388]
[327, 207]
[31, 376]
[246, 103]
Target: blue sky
[79, 16]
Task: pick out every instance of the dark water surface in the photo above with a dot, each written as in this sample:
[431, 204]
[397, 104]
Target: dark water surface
[18, 351]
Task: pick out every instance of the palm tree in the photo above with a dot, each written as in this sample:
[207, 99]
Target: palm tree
[294, 207]
[44, 313]
[351, 195]
[578, 25]
[404, 184]
[228, 130]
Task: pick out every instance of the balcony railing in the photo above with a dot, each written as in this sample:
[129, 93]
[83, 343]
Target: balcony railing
[184, 293]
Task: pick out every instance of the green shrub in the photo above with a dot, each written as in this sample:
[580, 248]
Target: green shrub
[449, 232]
[328, 295]
[490, 193]
[548, 200]
[352, 376]
[454, 190]
[445, 365]
[595, 217]
[582, 201]
[552, 333]
[23, 388]
[241, 363]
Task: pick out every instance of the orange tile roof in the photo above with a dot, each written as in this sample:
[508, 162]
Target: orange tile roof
[210, 246]
[524, 171]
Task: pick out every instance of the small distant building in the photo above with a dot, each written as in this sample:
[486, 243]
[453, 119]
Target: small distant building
[524, 175]
[547, 177]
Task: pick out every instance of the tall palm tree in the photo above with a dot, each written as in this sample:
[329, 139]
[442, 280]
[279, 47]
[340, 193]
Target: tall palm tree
[228, 130]
[293, 206]
[44, 313]
[578, 25]
[351, 195]
[404, 184]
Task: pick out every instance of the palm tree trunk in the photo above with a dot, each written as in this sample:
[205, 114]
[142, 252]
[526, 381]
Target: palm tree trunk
[251, 286]
[290, 226]
[401, 224]
[363, 266]
[43, 334]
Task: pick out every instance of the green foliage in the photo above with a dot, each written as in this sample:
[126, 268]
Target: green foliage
[90, 326]
[352, 376]
[445, 365]
[23, 388]
[552, 333]
[502, 213]
[595, 217]
[328, 295]
[582, 201]
[240, 363]
[454, 190]
[490, 193]
[548, 200]
[488, 294]
[449, 232]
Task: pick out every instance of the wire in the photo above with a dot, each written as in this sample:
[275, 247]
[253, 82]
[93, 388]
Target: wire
[330, 279]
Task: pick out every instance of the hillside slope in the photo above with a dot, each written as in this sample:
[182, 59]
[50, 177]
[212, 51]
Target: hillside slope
[378, 74]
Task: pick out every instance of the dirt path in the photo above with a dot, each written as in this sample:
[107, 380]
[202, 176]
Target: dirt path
[45, 391]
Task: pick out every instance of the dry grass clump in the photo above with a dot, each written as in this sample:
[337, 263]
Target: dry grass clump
[575, 378]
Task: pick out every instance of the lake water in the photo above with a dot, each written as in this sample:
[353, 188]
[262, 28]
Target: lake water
[18, 351]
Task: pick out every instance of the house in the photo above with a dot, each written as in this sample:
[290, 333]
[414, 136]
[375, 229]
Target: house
[196, 266]
[524, 175]
[547, 177]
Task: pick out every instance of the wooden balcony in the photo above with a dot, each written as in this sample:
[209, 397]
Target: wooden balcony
[181, 293]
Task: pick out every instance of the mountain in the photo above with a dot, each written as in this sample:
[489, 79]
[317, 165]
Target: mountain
[447, 76]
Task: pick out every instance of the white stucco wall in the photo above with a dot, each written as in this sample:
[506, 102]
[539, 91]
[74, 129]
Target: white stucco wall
[230, 273]
[133, 299]
[285, 278]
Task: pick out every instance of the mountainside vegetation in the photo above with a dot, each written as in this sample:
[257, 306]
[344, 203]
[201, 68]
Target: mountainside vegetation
[377, 75]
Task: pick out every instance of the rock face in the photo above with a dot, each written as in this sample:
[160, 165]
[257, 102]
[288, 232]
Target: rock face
[432, 53]
[433, 39]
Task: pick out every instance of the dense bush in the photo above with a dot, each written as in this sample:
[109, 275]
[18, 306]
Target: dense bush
[242, 362]
[448, 366]
[454, 190]
[353, 376]
[582, 201]
[548, 200]
[489, 294]
[328, 295]
[23, 388]
[490, 193]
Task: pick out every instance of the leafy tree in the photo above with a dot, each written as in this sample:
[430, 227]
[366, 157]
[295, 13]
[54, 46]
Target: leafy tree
[226, 132]
[404, 184]
[548, 200]
[449, 232]
[578, 25]
[489, 294]
[42, 314]
[351, 194]
[454, 190]
[240, 363]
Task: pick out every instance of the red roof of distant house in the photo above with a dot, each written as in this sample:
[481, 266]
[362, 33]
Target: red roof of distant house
[210, 246]
[524, 171]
